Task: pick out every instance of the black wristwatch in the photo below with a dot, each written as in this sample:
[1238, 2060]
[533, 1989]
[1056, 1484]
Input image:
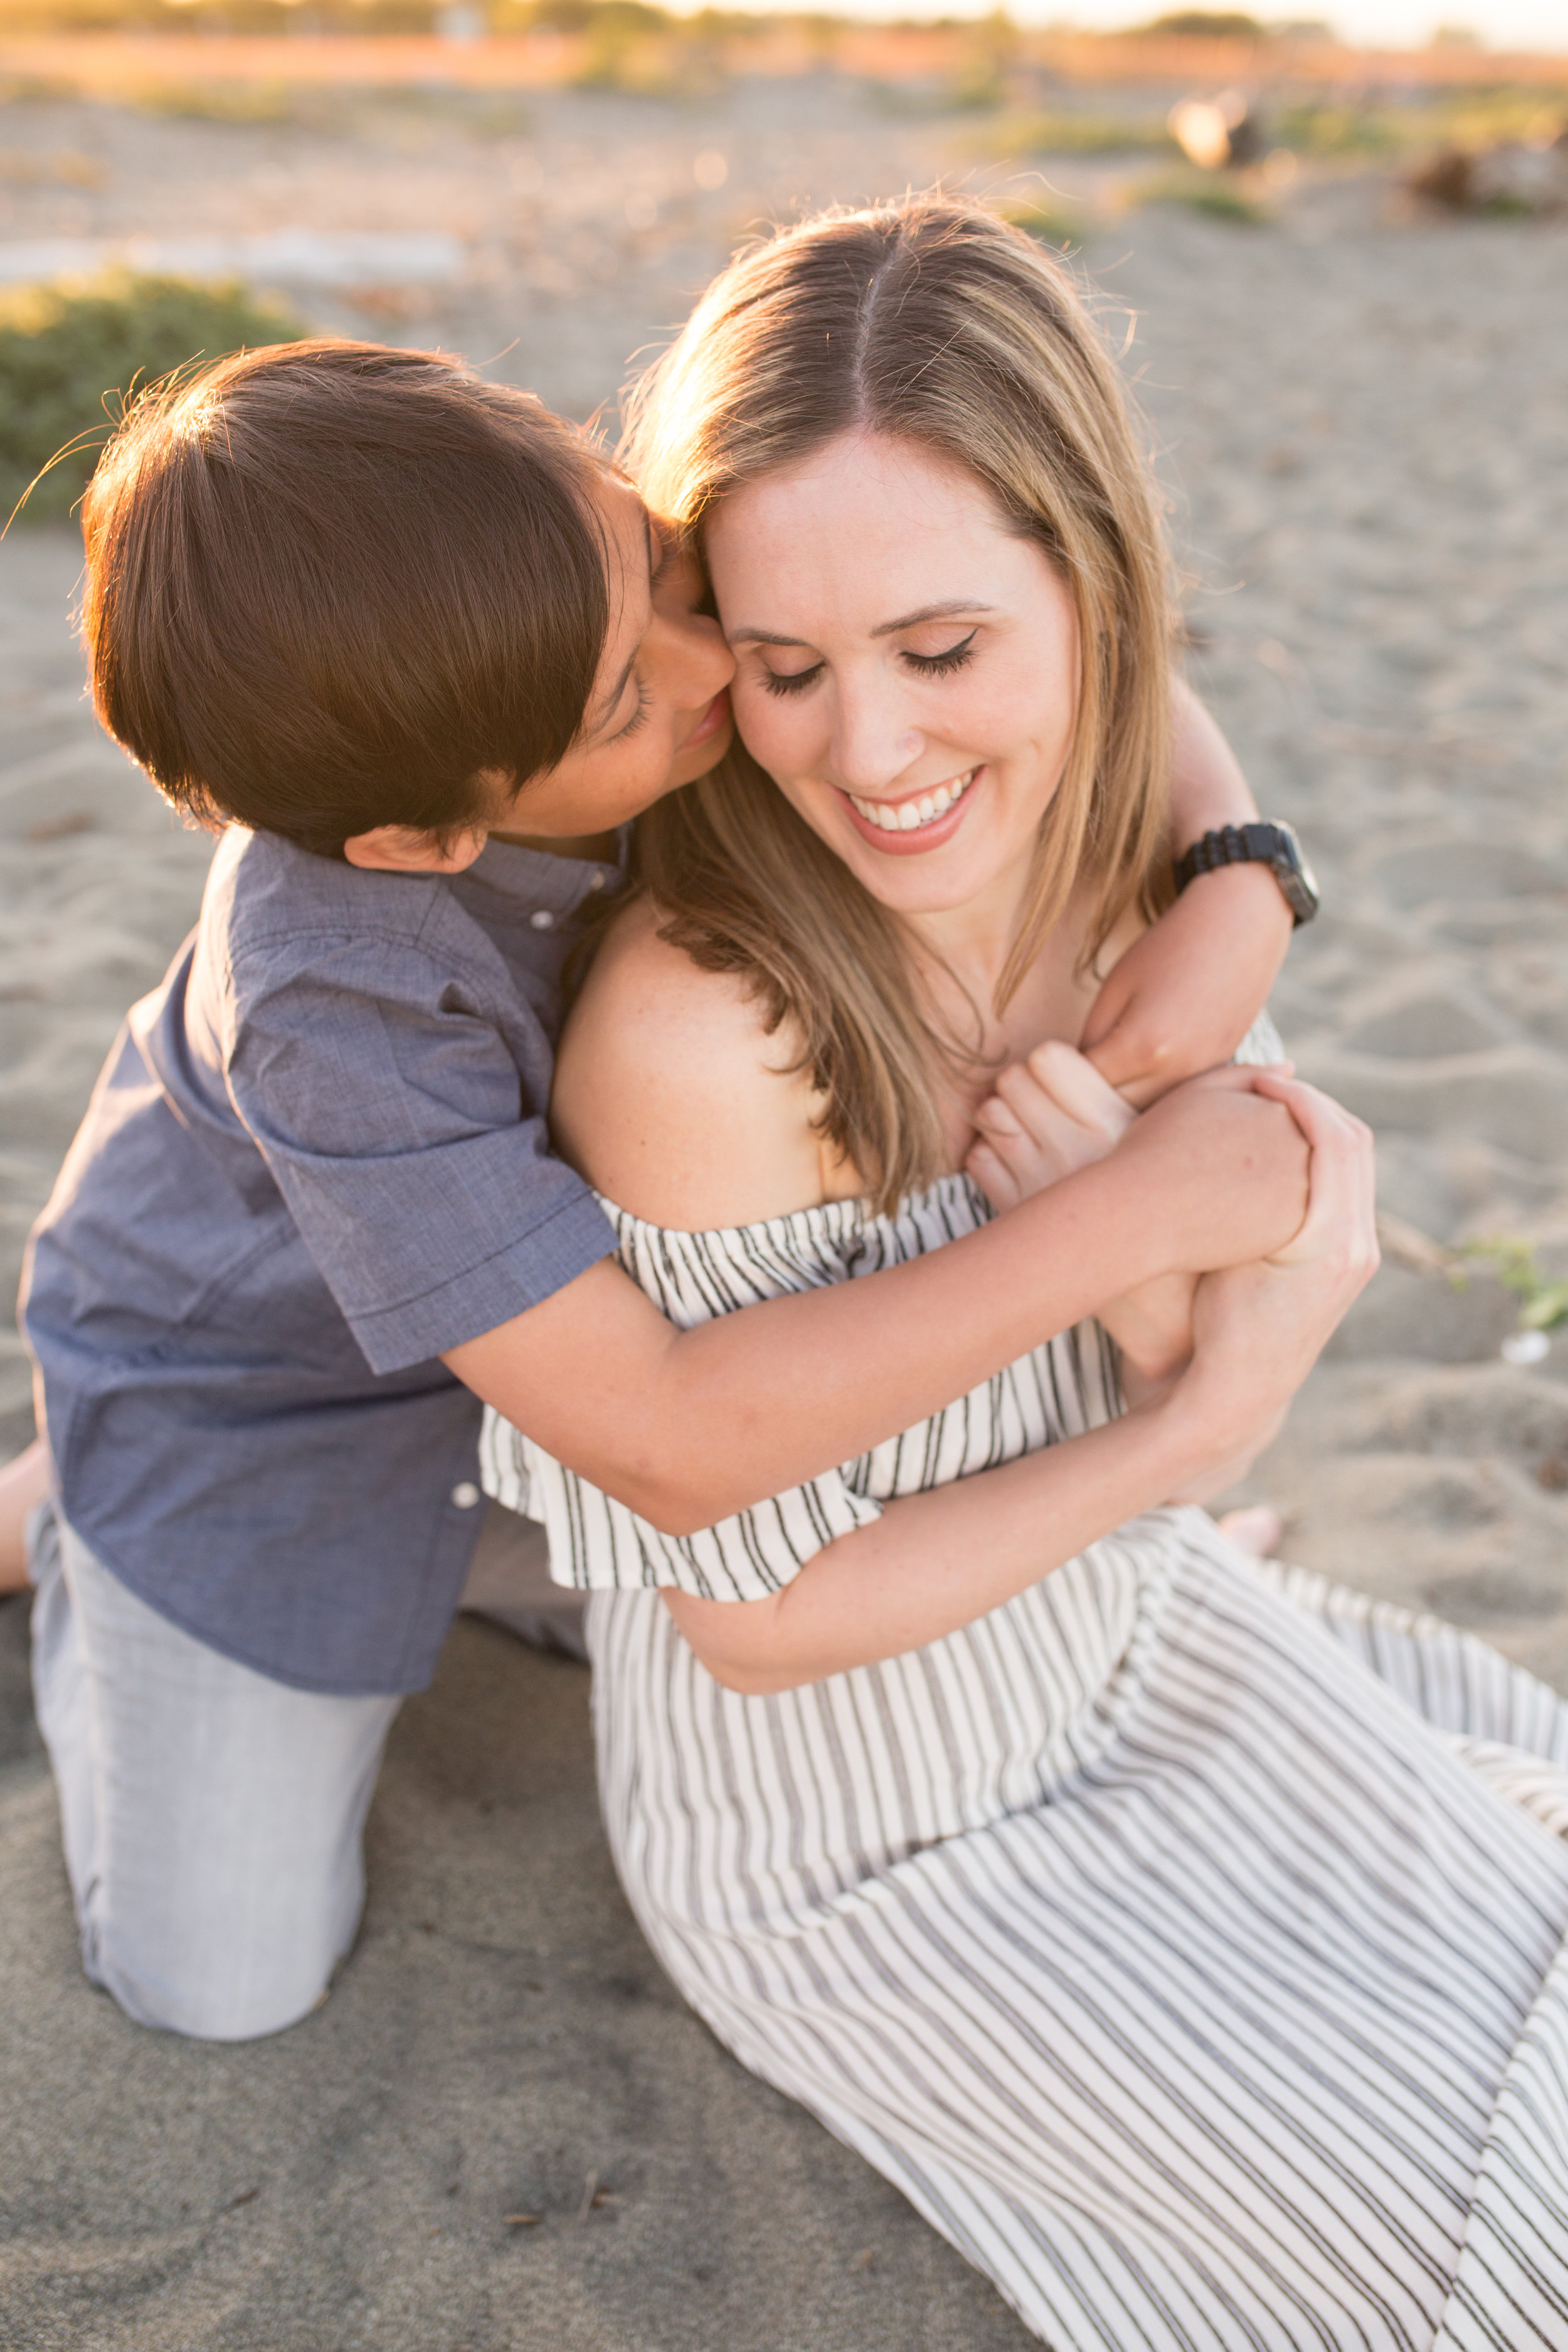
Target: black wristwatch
[1255, 845]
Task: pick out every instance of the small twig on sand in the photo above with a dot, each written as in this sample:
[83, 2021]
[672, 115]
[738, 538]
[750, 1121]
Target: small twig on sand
[522, 2221]
[590, 2191]
[1412, 1248]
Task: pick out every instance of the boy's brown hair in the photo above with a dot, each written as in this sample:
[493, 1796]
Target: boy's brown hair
[328, 582]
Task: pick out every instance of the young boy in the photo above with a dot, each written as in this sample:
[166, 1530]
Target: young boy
[370, 612]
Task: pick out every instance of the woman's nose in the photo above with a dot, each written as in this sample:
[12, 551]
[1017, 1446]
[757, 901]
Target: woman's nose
[872, 744]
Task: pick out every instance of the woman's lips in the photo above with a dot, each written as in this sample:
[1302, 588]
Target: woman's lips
[918, 838]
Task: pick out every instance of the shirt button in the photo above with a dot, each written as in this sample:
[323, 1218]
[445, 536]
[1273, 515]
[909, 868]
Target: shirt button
[542, 919]
[466, 1495]
[595, 881]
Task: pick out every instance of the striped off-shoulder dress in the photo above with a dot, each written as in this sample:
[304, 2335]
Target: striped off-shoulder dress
[1184, 1939]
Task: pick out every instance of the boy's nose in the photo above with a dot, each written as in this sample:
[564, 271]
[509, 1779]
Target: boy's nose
[712, 662]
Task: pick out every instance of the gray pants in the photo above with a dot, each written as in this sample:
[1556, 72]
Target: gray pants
[213, 1818]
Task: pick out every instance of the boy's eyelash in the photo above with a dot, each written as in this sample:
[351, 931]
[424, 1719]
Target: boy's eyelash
[638, 716]
[951, 658]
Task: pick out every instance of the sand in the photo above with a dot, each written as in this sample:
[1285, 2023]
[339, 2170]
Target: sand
[1361, 420]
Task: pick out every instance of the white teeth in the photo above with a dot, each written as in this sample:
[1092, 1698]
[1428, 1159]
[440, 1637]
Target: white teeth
[909, 816]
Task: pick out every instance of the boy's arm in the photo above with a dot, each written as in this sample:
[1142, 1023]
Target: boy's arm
[1183, 996]
[687, 1427]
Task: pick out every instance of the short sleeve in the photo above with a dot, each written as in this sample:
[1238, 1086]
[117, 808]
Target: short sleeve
[598, 1545]
[405, 1129]
[1261, 1044]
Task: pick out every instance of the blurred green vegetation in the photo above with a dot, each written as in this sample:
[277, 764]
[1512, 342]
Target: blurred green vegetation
[1371, 129]
[1199, 192]
[1060, 132]
[1206, 25]
[72, 353]
[223, 101]
[1542, 1301]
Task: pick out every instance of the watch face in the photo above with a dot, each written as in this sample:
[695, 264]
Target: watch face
[1294, 876]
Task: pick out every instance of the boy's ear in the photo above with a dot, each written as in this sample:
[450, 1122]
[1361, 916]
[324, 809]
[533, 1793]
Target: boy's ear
[410, 849]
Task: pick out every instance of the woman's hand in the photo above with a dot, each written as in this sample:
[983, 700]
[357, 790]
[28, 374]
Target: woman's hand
[1258, 1330]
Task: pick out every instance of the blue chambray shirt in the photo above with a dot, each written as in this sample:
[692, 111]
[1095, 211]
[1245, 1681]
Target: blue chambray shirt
[316, 1158]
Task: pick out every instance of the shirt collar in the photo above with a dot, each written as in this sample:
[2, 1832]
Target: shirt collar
[536, 881]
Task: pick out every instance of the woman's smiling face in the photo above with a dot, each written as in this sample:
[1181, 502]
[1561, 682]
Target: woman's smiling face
[908, 665]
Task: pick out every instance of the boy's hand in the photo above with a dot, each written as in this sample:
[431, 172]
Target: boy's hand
[24, 1483]
[1185, 994]
[1050, 1115]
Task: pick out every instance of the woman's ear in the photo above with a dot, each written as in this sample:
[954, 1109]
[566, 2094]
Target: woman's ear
[410, 849]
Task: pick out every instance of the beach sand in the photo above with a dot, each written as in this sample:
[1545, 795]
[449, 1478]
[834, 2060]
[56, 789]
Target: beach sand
[1362, 423]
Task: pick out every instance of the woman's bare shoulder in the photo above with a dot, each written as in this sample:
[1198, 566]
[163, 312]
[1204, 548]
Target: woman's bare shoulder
[669, 1096]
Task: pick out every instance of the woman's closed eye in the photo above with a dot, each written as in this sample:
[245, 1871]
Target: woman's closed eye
[951, 658]
[937, 664]
[792, 681]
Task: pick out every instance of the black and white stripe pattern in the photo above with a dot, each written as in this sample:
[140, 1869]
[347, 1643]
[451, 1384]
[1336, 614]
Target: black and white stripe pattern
[1187, 1941]
[594, 1541]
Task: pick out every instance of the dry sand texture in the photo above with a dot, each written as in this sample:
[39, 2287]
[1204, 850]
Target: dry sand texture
[1364, 427]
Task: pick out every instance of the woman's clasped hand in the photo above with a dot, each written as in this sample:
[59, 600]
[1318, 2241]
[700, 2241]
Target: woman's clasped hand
[1243, 1336]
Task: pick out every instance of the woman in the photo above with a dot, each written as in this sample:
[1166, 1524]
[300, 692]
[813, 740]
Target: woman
[1185, 1941]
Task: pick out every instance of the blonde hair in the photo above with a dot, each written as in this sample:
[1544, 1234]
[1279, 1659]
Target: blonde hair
[933, 323]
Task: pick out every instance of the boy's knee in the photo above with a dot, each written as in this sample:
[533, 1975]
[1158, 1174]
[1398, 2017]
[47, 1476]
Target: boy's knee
[212, 1978]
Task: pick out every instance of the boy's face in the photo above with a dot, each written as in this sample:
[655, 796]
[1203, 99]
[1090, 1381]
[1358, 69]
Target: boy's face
[659, 715]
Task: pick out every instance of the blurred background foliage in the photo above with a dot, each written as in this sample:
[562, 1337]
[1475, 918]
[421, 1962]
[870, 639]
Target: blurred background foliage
[61, 344]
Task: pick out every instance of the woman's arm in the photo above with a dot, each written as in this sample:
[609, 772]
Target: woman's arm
[937, 1561]
[1183, 995]
[670, 1100]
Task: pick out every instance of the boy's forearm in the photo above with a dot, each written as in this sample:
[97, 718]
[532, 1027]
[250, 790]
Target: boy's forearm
[687, 1427]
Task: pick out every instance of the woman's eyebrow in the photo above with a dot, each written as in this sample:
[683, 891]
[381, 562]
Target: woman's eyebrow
[943, 612]
[946, 611]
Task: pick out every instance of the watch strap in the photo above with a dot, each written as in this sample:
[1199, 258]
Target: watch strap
[1259, 843]
[1230, 844]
